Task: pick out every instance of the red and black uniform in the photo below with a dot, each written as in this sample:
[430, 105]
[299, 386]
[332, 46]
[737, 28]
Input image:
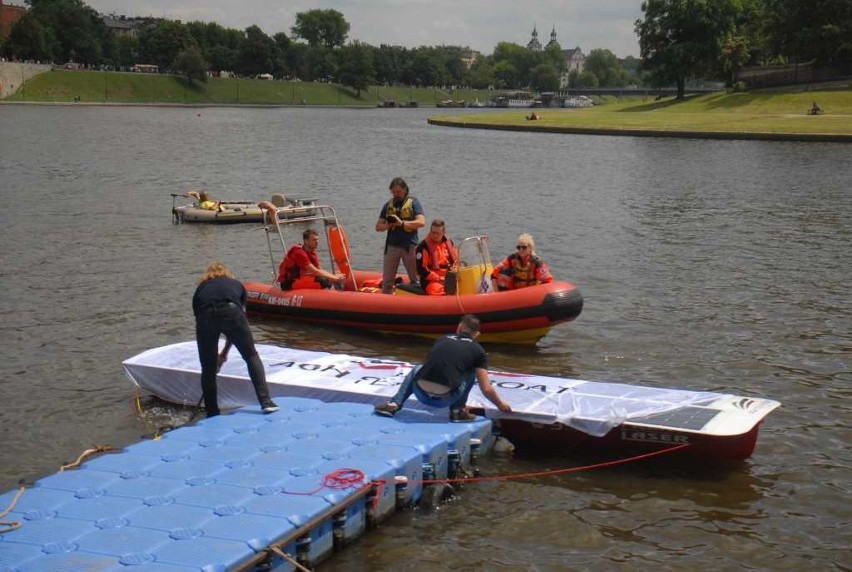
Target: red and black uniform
[514, 273]
[433, 260]
[292, 273]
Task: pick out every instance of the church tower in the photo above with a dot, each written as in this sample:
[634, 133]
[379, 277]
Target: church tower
[534, 44]
[553, 41]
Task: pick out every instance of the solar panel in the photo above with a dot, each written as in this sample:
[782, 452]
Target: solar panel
[692, 418]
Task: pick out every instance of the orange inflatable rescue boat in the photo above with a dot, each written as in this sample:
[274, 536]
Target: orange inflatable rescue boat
[521, 316]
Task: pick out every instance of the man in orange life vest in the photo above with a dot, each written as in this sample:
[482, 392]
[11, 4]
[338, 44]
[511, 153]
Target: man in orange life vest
[435, 255]
[300, 268]
[522, 268]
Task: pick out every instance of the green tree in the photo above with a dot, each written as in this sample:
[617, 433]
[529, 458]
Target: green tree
[73, 31]
[356, 68]
[125, 51]
[190, 63]
[326, 28]
[481, 74]
[544, 77]
[606, 67]
[680, 39]
[427, 67]
[161, 43]
[319, 63]
[804, 30]
[219, 46]
[505, 75]
[521, 61]
[390, 63]
[27, 40]
[255, 53]
[280, 67]
[582, 79]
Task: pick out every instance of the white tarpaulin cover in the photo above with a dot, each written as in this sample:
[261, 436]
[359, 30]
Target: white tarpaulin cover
[173, 373]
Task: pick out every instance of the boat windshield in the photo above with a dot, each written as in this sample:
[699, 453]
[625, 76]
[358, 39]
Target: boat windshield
[474, 271]
[473, 251]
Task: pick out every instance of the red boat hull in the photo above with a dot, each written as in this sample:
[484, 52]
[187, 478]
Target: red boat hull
[519, 316]
[627, 437]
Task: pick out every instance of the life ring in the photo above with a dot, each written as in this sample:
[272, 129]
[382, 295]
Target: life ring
[338, 243]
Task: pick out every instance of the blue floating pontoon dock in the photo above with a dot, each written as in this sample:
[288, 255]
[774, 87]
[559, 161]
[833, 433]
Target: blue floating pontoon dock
[237, 491]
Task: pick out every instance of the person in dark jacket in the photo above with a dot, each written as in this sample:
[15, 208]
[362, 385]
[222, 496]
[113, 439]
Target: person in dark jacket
[219, 307]
[454, 365]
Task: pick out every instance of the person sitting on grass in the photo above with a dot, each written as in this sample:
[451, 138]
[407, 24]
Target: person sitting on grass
[454, 365]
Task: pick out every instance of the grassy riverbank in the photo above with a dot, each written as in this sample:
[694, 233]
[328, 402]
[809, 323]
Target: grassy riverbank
[62, 86]
[736, 115]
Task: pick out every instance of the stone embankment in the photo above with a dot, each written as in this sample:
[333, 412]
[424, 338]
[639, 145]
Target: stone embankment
[14, 74]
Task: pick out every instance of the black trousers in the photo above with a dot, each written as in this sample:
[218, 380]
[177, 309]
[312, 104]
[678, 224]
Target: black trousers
[228, 319]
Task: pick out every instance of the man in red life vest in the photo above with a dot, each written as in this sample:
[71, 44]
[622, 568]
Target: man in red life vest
[435, 255]
[300, 268]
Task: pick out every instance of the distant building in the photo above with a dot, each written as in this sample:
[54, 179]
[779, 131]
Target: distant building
[9, 16]
[534, 44]
[121, 25]
[469, 57]
[553, 43]
[575, 59]
[127, 26]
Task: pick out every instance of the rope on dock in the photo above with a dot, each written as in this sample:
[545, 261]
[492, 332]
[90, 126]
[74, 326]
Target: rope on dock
[87, 453]
[10, 525]
[280, 553]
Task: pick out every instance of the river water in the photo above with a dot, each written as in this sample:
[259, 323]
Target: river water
[708, 265]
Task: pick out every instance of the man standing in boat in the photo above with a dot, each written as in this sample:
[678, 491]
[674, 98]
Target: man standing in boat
[400, 218]
[454, 365]
[301, 270]
[435, 255]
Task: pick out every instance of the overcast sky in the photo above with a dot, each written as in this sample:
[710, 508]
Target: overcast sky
[479, 24]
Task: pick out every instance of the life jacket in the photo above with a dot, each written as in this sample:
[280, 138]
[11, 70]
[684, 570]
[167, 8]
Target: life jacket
[516, 274]
[432, 257]
[289, 271]
[405, 212]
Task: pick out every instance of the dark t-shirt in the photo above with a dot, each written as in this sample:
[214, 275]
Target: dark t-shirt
[217, 291]
[451, 358]
[397, 236]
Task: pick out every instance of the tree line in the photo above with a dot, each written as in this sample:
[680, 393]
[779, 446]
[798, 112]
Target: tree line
[316, 49]
[679, 40]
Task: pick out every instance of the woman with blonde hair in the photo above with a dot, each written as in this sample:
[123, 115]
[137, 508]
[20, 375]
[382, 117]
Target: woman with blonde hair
[522, 268]
[219, 307]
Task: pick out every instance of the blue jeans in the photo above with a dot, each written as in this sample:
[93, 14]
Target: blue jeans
[229, 320]
[455, 399]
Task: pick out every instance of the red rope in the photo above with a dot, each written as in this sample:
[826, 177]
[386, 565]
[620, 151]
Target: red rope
[563, 471]
[342, 479]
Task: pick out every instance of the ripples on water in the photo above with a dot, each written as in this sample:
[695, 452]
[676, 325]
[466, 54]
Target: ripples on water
[704, 264]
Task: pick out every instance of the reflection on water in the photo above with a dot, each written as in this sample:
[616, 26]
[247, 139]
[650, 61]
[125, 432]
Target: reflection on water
[705, 265]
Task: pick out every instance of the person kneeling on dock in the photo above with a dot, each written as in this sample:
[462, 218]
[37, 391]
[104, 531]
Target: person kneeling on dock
[300, 269]
[454, 365]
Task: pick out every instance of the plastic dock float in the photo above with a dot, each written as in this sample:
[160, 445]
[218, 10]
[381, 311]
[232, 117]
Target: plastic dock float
[240, 491]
